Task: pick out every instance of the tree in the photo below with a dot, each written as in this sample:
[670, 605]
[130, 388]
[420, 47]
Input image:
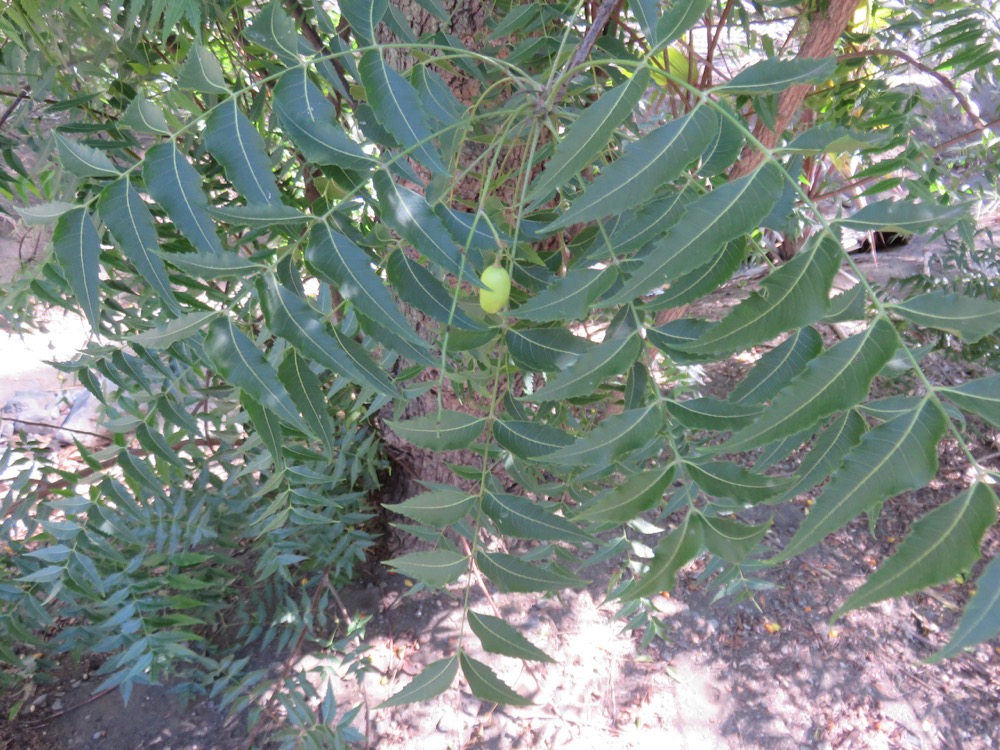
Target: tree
[276, 219]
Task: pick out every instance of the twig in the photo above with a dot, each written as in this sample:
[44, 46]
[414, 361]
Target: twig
[55, 715]
[320, 46]
[601, 18]
[13, 105]
[706, 77]
[942, 79]
[57, 427]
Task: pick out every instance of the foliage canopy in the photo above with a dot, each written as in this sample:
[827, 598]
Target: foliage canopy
[275, 218]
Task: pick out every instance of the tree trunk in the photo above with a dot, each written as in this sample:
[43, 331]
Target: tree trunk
[825, 28]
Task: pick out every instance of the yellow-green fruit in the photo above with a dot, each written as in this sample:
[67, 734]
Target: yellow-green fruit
[497, 292]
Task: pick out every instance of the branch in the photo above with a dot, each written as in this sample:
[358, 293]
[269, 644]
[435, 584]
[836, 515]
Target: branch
[991, 125]
[942, 79]
[13, 105]
[601, 18]
[706, 77]
[320, 46]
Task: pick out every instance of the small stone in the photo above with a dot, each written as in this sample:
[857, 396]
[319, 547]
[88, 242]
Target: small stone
[57, 704]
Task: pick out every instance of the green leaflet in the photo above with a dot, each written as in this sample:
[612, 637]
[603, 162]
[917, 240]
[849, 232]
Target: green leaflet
[896, 456]
[676, 20]
[145, 117]
[513, 575]
[484, 683]
[165, 335]
[438, 508]
[969, 318]
[625, 502]
[44, 213]
[587, 137]
[295, 320]
[78, 249]
[176, 185]
[981, 618]
[885, 409]
[730, 539]
[709, 222]
[730, 480]
[307, 394]
[435, 568]
[774, 75]
[530, 441]
[260, 215]
[835, 380]
[364, 16]
[668, 338]
[267, 427]
[725, 147]
[827, 452]
[498, 637]
[672, 553]
[778, 367]
[419, 287]
[546, 349]
[310, 121]
[84, 161]
[980, 396]
[637, 385]
[432, 681]
[443, 431]
[131, 225]
[647, 13]
[202, 72]
[407, 213]
[703, 280]
[652, 161]
[470, 230]
[940, 545]
[592, 367]
[614, 437]
[211, 266]
[904, 217]
[392, 342]
[568, 298]
[655, 218]
[709, 413]
[239, 148]
[340, 262]
[846, 306]
[397, 106]
[522, 518]
[832, 139]
[274, 30]
[238, 360]
[793, 296]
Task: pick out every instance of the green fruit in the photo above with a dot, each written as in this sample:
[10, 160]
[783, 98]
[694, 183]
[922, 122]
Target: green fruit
[497, 292]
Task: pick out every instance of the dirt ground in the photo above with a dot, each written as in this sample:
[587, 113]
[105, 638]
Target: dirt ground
[767, 673]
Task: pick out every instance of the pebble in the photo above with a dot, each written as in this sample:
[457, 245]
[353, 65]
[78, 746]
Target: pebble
[57, 704]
